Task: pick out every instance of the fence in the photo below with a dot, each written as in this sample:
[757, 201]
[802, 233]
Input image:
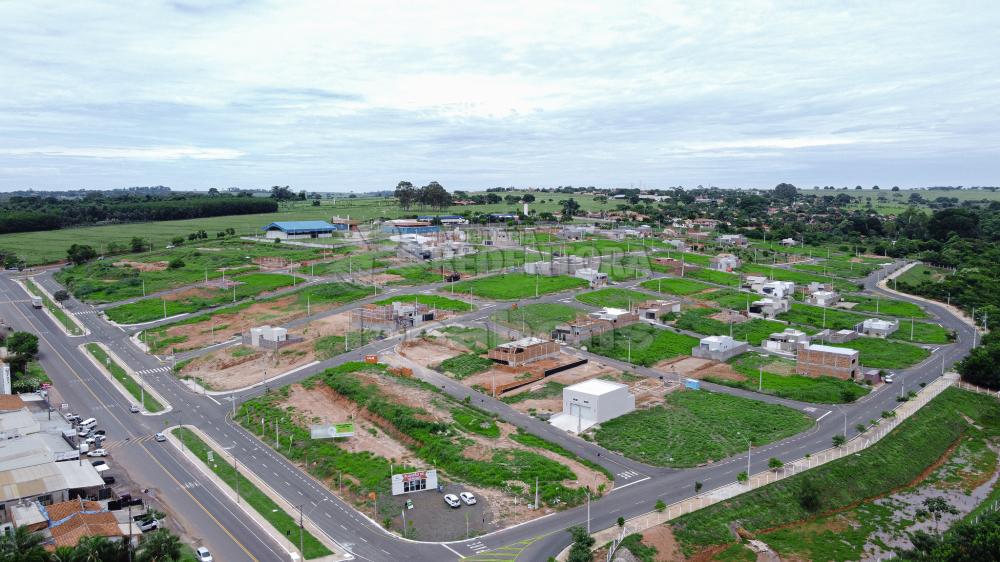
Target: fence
[858, 443]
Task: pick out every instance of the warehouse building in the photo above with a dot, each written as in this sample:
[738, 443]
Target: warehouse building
[408, 226]
[295, 230]
[592, 402]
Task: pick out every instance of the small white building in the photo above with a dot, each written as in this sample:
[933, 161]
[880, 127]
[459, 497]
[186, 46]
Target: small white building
[824, 298]
[719, 348]
[786, 341]
[754, 282]
[267, 336]
[788, 242]
[778, 289]
[879, 328]
[592, 402]
[617, 316]
[737, 240]
[5, 385]
[725, 262]
[592, 276]
[767, 308]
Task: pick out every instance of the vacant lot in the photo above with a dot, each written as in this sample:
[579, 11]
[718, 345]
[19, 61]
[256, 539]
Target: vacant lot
[886, 354]
[798, 277]
[674, 286]
[713, 276]
[198, 298]
[921, 273]
[624, 299]
[511, 286]
[840, 268]
[890, 307]
[536, 319]
[778, 378]
[433, 301]
[695, 427]
[642, 343]
[349, 264]
[753, 331]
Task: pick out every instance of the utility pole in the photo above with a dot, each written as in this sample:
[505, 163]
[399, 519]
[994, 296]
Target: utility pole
[302, 533]
[588, 512]
[760, 382]
[536, 492]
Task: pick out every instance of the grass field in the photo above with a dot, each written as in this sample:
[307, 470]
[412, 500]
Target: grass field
[878, 353]
[61, 315]
[626, 268]
[149, 403]
[923, 332]
[349, 264]
[51, 246]
[613, 298]
[674, 286]
[838, 268]
[890, 464]
[415, 275]
[644, 344]
[475, 339]
[889, 307]
[250, 285]
[713, 276]
[778, 379]
[694, 427]
[697, 259]
[536, 318]
[101, 281]
[463, 366]
[510, 286]
[921, 273]
[259, 501]
[753, 331]
[433, 301]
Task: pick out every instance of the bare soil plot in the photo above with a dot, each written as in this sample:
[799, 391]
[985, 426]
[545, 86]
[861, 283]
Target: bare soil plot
[142, 266]
[718, 370]
[241, 366]
[661, 537]
[431, 352]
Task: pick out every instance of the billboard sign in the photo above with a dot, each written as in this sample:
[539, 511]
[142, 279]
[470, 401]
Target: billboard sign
[414, 482]
[332, 430]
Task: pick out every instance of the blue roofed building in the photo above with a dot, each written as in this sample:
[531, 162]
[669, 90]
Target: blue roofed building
[291, 230]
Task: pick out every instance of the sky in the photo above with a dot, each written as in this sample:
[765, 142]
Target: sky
[341, 96]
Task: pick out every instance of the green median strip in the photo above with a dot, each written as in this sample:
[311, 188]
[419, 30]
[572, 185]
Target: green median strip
[61, 315]
[258, 500]
[149, 403]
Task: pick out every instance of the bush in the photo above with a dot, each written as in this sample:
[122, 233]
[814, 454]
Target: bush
[176, 263]
[660, 506]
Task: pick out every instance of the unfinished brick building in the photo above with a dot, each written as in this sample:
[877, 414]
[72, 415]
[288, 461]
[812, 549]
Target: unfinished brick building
[394, 316]
[823, 360]
[524, 350]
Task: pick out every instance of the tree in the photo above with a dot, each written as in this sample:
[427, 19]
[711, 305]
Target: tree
[785, 191]
[22, 546]
[406, 194]
[839, 440]
[159, 546]
[213, 192]
[938, 507]
[434, 195]
[895, 188]
[809, 495]
[176, 263]
[660, 506]
[282, 192]
[569, 208]
[177, 240]
[774, 463]
[61, 295]
[137, 244]
[979, 366]
[621, 522]
[493, 199]
[528, 198]
[582, 542]
[80, 253]
[697, 487]
[743, 477]
[23, 344]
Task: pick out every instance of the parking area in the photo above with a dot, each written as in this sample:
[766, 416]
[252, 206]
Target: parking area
[431, 519]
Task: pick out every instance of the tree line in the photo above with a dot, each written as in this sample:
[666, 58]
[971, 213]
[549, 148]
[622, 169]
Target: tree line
[22, 545]
[32, 214]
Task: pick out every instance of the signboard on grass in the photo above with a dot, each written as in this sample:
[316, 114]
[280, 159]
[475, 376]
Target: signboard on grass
[332, 430]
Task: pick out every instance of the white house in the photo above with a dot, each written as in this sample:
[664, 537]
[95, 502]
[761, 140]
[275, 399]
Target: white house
[878, 327]
[737, 240]
[592, 276]
[778, 289]
[788, 242]
[823, 298]
[267, 336]
[592, 402]
[768, 307]
[786, 341]
[719, 348]
[725, 262]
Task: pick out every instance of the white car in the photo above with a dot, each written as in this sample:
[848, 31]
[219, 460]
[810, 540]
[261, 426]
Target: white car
[452, 500]
[203, 555]
[134, 409]
[98, 453]
[887, 379]
[468, 498]
[160, 438]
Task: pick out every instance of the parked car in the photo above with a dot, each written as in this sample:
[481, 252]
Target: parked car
[73, 418]
[203, 555]
[887, 379]
[148, 525]
[452, 500]
[99, 463]
[109, 480]
[134, 409]
[160, 438]
[84, 433]
[98, 453]
[468, 498]
[100, 432]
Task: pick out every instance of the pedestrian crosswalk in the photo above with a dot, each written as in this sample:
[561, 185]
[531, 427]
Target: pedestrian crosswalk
[153, 371]
[628, 474]
[85, 312]
[478, 546]
[118, 443]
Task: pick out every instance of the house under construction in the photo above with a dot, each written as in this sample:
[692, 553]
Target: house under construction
[394, 316]
[524, 350]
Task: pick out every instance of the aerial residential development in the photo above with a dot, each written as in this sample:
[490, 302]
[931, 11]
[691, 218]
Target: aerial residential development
[713, 343]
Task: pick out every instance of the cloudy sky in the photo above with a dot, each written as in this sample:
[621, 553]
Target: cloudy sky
[335, 96]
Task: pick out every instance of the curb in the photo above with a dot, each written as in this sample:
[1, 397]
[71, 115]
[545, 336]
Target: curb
[147, 388]
[72, 317]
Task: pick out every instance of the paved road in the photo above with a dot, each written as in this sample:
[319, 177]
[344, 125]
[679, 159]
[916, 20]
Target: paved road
[368, 541]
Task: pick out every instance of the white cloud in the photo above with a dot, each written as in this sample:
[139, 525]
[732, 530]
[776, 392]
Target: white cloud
[151, 153]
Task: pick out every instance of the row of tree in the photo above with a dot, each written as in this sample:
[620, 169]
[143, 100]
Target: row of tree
[22, 545]
[431, 195]
[27, 214]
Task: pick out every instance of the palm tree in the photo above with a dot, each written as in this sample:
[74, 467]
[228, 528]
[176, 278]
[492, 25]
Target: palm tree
[100, 549]
[22, 546]
[63, 554]
[160, 546]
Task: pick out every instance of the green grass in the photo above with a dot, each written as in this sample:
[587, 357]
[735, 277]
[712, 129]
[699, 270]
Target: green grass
[415, 275]
[626, 268]
[893, 462]
[713, 276]
[258, 500]
[643, 552]
[472, 338]
[923, 332]
[729, 298]
[878, 353]
[150, 404]
[433, 301]
[464, 366]
[550, 389]
[510, 286]
[822, 390]
[695, 427]
[30, 380]
[536, 318]
[332, 346]
[537, 442]
[921, 273]
[61, 315]
[353, 263]
[753, 331]
[889, 307]
[146, 310]
[838, 268]
[675, 286]
[474, 421]
[821, 317]
[613, 298]
[696, 259]
[50, 246]
[649, 345]
[483, 262]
